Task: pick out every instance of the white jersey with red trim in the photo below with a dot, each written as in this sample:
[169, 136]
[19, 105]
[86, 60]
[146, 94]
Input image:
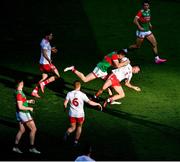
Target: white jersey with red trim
[45, 45]
[124, 72]
[77, 99]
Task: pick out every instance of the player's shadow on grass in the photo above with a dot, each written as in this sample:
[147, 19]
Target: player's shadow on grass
[9, 78]
[6, 121]
[138, 119]
[68, 86]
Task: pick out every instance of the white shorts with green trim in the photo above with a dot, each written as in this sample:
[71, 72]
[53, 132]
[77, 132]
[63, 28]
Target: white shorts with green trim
[98, 73]
[143, 34]
[23, 116]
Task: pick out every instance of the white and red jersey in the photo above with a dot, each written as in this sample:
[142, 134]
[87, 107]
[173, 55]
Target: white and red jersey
[45, 45]
[124, 72]
[124, 59]
[77, 99]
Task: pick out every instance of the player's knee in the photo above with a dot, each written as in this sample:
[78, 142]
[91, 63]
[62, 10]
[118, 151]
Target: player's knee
[122, 95]
[85, 80]
[22, 131]
[34, 129]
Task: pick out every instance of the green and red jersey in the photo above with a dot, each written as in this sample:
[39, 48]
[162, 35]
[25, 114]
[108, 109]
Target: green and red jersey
[107, 61]
[20, 96]
[144, 17]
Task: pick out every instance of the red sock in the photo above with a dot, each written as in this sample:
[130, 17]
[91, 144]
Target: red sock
[74, 70]
[35, 90]
[46, 82]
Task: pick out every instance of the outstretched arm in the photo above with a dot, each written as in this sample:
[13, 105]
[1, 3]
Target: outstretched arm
[92, 103]
[128, 84]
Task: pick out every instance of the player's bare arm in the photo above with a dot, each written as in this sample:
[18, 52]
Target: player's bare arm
[124, 63]
[21, 107]
[129, 85]
[54, 50]
[65, 104]
[136, 21]
[118, 64]
[150, 25]
[92, 103]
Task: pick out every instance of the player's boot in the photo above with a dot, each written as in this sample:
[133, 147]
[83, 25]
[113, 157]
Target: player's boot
[34, 94]
[159, 61]
[34, 150]
[115, 103]
[68, 68]
[17, 150]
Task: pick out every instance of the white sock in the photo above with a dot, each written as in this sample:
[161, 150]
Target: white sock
[108, 100]
[157, 57]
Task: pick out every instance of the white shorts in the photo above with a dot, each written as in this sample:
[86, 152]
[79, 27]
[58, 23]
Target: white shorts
[99, 73]
[23, 116]
[142, 34]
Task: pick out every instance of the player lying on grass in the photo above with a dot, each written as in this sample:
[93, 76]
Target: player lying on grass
[114, 79]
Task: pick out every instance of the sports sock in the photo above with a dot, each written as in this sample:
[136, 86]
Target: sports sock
[73, 70]
[109, 99]
[35, 90]
[44, 82]
[157, 57]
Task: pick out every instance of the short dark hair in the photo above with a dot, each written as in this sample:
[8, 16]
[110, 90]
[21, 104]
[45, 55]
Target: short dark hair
[17, 81]
[76, 83]
[47, 32]
[145, 1]
[122, 51]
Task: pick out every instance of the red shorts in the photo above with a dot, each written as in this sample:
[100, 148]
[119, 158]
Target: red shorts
[47, 68]
[114, 80]
[76, 120]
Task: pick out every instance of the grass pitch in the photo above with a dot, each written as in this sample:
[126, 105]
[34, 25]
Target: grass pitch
[146, 126]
